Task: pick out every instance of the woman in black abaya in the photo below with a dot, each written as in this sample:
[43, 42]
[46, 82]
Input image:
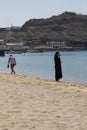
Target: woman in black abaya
[58, 69]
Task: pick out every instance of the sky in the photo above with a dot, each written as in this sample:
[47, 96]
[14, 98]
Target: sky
[17, 12]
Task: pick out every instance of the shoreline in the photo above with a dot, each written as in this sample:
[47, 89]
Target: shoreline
[33, 103]
[4, 74]
[46, 72]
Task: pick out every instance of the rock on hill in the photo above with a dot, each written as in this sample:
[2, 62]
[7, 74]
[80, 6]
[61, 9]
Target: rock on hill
[67, 27]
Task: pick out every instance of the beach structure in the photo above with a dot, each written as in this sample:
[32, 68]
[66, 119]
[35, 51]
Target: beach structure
[2, 48]
[57, 44]
[2, 52]
[16, 46]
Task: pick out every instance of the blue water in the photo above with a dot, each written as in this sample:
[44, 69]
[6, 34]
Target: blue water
[74, 65]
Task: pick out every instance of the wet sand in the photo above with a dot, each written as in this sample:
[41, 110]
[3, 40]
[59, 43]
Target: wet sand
[35, 104]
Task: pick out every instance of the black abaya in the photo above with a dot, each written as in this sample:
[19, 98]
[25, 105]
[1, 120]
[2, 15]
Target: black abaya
[58, 69]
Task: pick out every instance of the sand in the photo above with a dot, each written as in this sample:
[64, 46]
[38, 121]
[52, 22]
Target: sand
[35, 104]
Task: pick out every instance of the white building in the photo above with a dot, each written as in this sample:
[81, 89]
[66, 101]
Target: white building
[55, 44]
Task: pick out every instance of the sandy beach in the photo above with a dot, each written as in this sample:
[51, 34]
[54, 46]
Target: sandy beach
[35, 104]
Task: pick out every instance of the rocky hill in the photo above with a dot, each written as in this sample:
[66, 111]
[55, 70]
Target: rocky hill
[67, 27]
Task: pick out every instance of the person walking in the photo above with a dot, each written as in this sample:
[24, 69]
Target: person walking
[58, 69]
[12, 63]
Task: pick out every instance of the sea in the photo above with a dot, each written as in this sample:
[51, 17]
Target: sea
[41, 65]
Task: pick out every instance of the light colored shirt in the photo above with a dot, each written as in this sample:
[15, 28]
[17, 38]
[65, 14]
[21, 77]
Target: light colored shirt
[12, 60]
